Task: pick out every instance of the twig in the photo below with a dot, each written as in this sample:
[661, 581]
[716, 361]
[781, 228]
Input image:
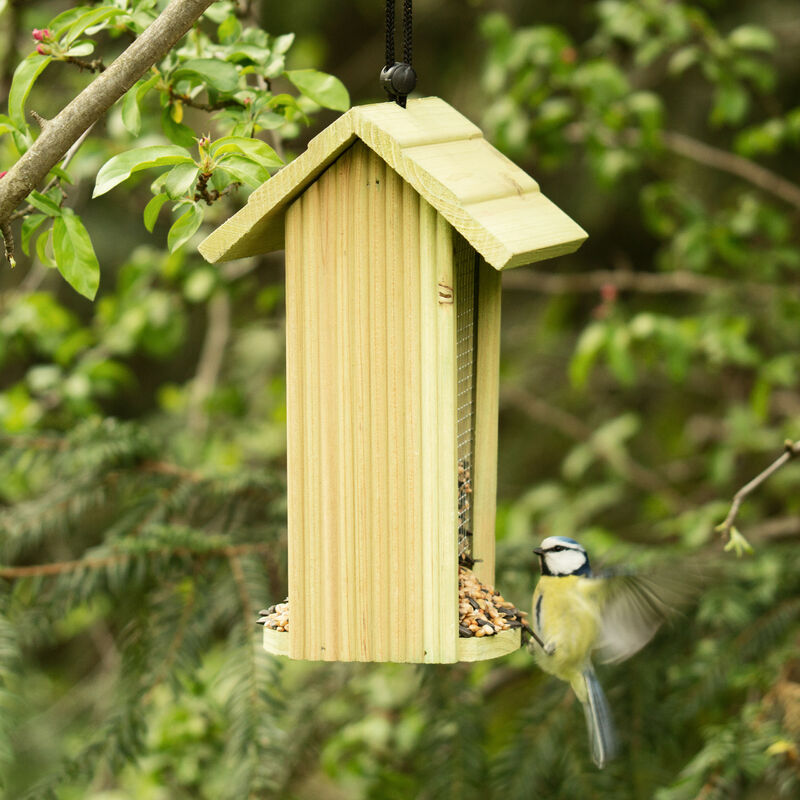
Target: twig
[714, 157]
[628, 280]
[790, 450]
[775, 529]
[93, 102]
[211, 357]
[574, 428]
[95, 65]
[61, 567]
[188, 100]
[8, 243]
[733, 164]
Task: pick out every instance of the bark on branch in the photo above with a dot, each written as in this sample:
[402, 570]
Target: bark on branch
[681, 281]
[753, 173]
[93, 102]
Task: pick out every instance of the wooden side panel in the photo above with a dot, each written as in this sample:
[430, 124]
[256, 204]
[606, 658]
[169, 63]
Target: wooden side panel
[371, 451]
[484, 489]
[440, 543]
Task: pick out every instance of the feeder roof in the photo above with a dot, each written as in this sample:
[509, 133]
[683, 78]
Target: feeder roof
[490, 201]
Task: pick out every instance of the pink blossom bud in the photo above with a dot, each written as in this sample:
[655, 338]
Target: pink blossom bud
[40, 34]
[569, 55]
[42, 50]
[3, 173]
[609, 292]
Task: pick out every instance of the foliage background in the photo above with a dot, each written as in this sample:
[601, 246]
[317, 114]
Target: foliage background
[644, 380]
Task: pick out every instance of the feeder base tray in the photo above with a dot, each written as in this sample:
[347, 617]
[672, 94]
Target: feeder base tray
[473, 649]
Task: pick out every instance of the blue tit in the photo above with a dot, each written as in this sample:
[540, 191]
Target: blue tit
[577, 613]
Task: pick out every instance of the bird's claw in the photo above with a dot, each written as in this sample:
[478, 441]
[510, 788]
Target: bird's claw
[549, 648]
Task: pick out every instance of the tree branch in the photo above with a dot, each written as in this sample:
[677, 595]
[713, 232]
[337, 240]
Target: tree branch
[93, 102]
[628, 280]
[790, 451]
[60, 567]
[211, 358]
[575, 428]
[759, 176]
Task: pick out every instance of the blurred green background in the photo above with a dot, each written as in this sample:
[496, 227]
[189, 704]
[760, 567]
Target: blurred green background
[644, 380]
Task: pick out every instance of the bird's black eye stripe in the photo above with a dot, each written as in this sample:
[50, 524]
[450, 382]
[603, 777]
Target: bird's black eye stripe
[558, 548]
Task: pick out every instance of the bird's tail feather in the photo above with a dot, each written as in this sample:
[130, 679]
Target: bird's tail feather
[602, 737]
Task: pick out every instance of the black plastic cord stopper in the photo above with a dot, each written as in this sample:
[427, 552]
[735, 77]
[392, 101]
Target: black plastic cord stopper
[398, 80]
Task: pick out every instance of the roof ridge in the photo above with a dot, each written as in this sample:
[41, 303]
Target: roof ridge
[493, 203]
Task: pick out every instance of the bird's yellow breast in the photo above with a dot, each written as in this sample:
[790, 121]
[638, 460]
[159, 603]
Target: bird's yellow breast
[565, 614]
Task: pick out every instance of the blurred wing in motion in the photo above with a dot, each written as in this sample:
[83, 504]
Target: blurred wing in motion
[634, 606]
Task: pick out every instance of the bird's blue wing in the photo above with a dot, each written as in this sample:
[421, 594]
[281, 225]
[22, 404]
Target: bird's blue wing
[633, 607]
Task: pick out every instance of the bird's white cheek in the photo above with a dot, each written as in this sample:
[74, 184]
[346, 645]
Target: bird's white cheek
[565, 562]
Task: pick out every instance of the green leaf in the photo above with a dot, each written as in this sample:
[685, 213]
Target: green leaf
[30, 225]
[42, 248]
[180, 178]
[229, 30]
[682, 59]
[75, 256]
[61, 174]
[25, 76]
[83, 48]
[325, 90]
[87, 20]
[152, 209]
[144, 86]
[752, 37]
[122, 166]
[131, 115]
[184, 228]
[588, 348]
[620, 359]
[282, 43]
[176, 132]
[731, 102]
[243, 169]
[44, 204]
[738, 544]
[255, 149]
[220, 75]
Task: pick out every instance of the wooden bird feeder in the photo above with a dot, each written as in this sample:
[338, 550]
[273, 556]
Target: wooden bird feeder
[396, 224]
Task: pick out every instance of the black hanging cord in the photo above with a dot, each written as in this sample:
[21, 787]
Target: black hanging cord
[407, 32]
[398, 77]
[389, 33]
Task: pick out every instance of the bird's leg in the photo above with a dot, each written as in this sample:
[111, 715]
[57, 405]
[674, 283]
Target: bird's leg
[535, 637]
[549, 648]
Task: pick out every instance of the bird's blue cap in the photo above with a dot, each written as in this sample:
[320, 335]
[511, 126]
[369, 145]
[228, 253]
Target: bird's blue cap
[565, 539]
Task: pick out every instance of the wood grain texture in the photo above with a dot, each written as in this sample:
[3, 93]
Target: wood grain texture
[489, 646]
[259, 227]
[484, 488]
[490, 201]
[276, 642]
[371, 429]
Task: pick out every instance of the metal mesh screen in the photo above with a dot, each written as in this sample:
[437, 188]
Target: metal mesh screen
[465, 277]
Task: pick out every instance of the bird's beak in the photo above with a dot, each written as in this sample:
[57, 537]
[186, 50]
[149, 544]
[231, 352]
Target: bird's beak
[538, 551]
